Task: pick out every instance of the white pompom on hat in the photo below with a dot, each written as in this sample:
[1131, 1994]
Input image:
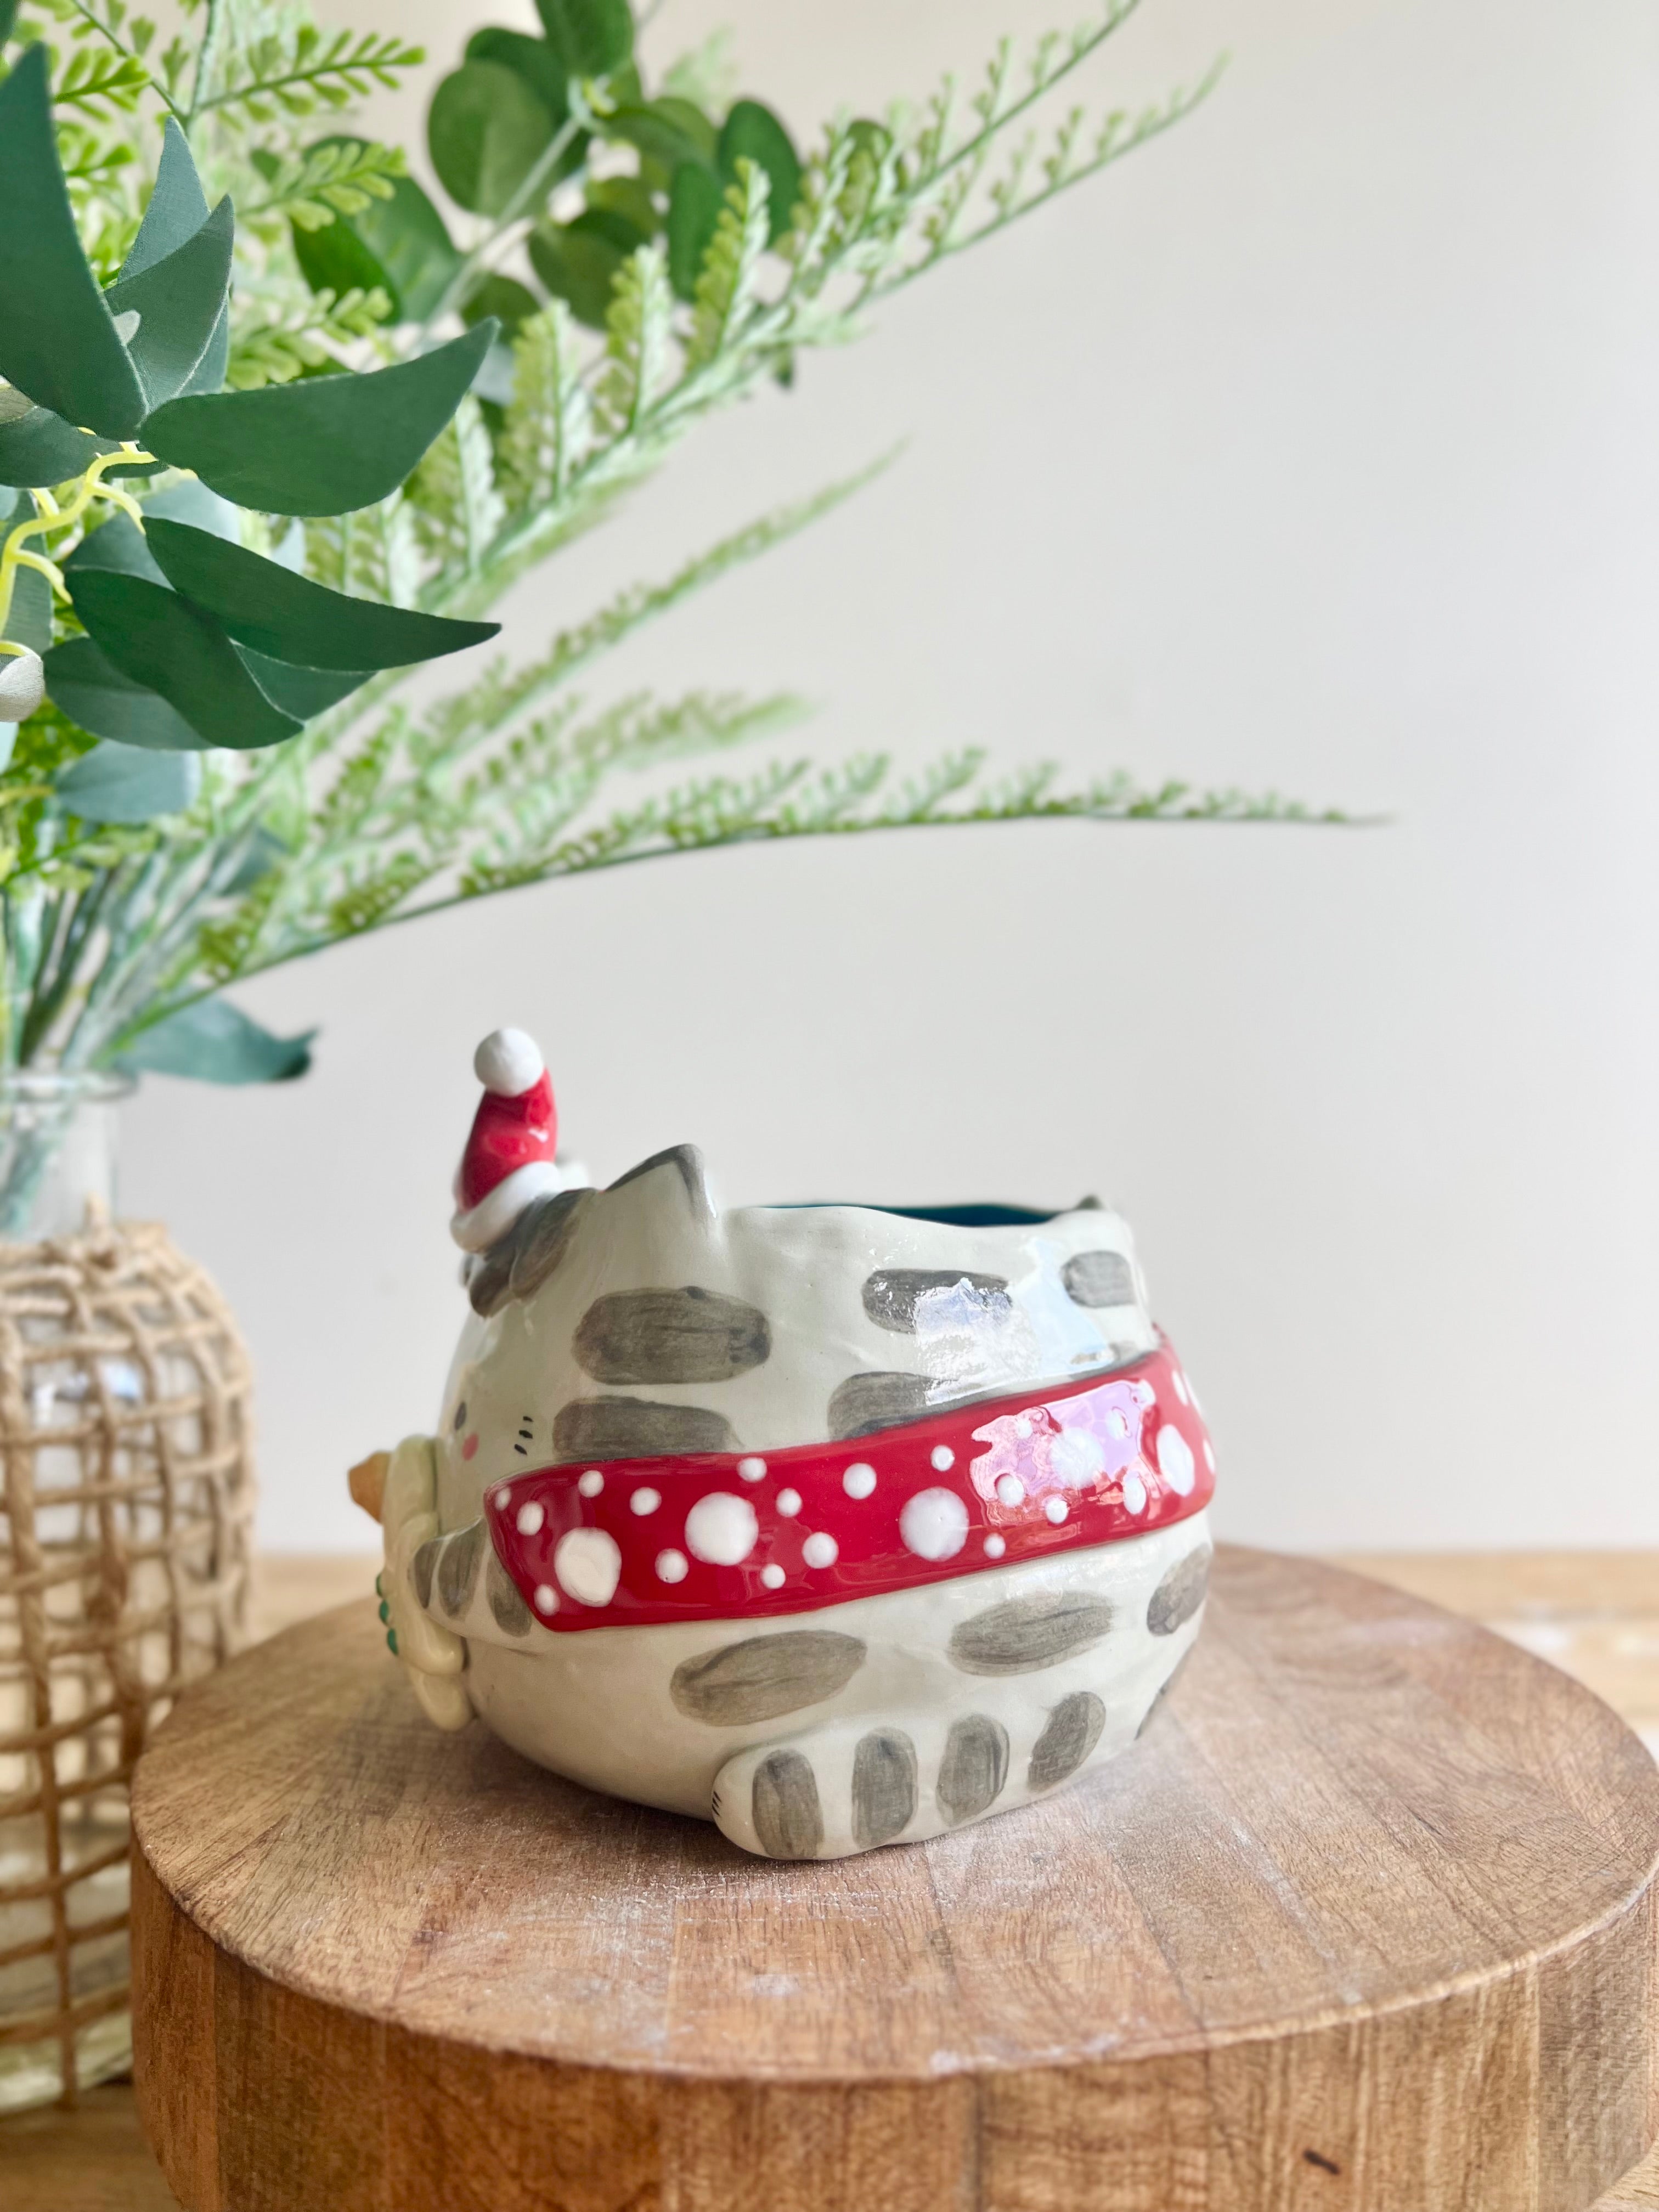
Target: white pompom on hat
[509, 1157]
[508, 1062]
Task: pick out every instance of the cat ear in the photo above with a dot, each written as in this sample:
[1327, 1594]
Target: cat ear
[687, 1162]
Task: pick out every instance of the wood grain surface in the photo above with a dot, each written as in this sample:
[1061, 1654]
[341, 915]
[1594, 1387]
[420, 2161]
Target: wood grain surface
[1366, 1922]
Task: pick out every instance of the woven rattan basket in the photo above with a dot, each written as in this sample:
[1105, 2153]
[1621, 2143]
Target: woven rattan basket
[123, 1564]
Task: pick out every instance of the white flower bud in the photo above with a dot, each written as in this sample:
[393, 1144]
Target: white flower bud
[22, 685]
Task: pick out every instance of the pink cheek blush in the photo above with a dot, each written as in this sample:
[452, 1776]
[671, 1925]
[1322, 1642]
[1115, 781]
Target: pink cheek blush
[471, 1445]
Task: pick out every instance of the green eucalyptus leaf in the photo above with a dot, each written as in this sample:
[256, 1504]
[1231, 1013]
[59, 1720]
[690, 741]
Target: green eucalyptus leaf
[534, 59]
[117, 782]
[92, 691]
[753, 132]
[301, 692]
[38, 448]
[7, 19]
[214, 1041]
[192, 502]
[323, 445]
[178, 301]
[118, 547]
[486, 130]
[630, 198]
[693, 210]
[592, 38]
[209, 373]
[154, 635]
[510, 302]
[178, 206]
[270, 609]
[338, 259]
[578, 262]
[29, 622]
[265, 852]
[408, 234]
[666, 130]
[57, 338]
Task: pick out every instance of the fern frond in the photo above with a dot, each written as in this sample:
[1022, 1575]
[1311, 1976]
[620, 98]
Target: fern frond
[637, 328]
[725, 284]
[457, 508]
[550, 419]
[299, 70]
[312, 336]
[313, 186]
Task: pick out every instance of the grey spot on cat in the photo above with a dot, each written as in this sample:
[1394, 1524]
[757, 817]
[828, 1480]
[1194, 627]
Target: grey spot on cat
[693, 1174]
[517, 1265]
[1099, 1279]
[892, 1294]
[883, 1786]
[457, 1568]
[637, 1428]
[1069, 1735]
[690, 1336]
[1027, 1633]
[974, 1768]
[543, 1235]
[420, 1571]
[787, 1820]
[1164, 1688]
[512, 1613]
[765, 1676]
[1180, 1593]
[864, 1403]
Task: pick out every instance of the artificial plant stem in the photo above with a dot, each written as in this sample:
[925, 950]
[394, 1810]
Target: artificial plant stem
[58, 980]
[534, 186]
[207, 54]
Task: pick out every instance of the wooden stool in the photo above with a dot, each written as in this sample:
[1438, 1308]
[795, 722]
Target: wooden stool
[1365, 1922]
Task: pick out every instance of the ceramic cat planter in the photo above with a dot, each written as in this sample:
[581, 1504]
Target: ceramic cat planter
[836, 1525]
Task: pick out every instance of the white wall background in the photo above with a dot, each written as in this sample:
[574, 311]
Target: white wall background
[1314, 448]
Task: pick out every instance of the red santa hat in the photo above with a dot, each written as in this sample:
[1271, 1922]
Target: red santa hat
[508, 1158]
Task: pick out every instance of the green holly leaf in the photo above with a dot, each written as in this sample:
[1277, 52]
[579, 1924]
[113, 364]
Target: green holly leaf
[693, 210]
[119, 782]
[58, 342]
[178, 301]
[158, 638]
[29, 621]
[592, 38]
[214, 1041]
[533, 59]
[753, 132]
[92, 691]
[178, 206]
[486, 130]
[323, 445]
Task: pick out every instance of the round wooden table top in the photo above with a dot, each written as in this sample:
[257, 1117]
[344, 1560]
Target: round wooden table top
[1366, 1920]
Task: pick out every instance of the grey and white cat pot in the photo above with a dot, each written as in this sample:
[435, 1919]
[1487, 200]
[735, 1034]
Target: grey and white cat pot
[836, 1525]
